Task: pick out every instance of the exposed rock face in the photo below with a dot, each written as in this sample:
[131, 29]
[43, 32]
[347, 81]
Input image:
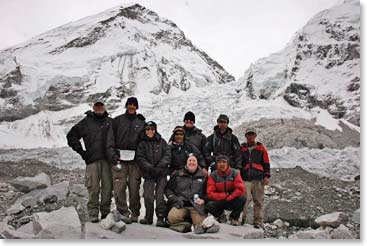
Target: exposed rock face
[300, 133]
[319, 67]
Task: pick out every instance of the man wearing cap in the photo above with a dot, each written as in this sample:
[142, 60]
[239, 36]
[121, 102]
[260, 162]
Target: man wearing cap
[96, 131]
[225, 191]
[180, 150]
[194, 135]
[223, 142]
[154, 156]
[256, 174]
[126, 172]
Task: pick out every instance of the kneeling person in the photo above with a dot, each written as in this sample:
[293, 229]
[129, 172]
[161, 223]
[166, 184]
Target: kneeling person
[225, 191]
[186, 194]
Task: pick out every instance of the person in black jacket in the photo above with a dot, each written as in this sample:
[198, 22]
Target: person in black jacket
[193, 134]
[186, 193]
[97, 134]
[127, 129]
[223, 142]
[255, 174]
[154, 156]
[181, 149]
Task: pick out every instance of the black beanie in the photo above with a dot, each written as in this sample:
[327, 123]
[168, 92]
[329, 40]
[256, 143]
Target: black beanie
[223, 117]
[150, 124]
[190, 116]
[132, 100]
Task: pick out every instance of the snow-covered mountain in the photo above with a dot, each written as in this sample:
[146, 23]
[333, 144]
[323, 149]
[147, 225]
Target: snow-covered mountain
[320, 67]
[48, 82]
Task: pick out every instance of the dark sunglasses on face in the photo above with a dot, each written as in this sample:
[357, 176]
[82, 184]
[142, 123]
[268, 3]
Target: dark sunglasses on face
[149, 129]
[250, 134]
[179, 134]
[223, 121]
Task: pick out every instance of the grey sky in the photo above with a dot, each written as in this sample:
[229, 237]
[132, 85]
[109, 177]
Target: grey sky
[233, 32]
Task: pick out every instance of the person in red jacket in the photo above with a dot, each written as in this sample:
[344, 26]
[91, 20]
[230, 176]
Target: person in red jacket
[225, 191]
[255, 174]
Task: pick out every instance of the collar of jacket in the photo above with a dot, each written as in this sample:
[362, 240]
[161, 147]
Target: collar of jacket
[225, 173]
[155, 138]
[130, 116]
[227, 134]
[90, 113]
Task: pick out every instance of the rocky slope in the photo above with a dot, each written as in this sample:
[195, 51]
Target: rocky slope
[320, 67]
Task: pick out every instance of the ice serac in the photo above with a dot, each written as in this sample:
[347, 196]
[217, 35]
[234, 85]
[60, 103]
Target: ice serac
[319, 67]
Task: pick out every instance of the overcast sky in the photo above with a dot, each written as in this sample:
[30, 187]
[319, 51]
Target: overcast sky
[233, 32]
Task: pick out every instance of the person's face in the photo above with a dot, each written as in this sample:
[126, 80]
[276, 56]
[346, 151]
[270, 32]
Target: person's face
[251, 137]
[189, 123]
[222, 165]
[150, 131]
[222, 124]
[179, 137]
[192, 163]
[131, 108]
[99, 109]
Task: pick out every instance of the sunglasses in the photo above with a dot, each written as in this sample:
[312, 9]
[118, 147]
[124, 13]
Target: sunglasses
[250, 134]
[179, 134]
[223, 121]
[149, 129]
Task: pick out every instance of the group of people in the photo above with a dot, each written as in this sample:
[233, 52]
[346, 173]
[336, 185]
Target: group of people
[187, 178]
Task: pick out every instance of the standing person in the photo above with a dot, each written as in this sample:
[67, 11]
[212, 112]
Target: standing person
[193, 134]
[180, 150]
[154, 157]
[223, 142]
[96, 131]
[225, 191]
[256, 174]
[186, 193]
[127, 128]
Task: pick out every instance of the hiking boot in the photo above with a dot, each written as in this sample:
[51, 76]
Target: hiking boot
[161, 222]
[213, 229]
[145, 221]
[222, 218]
[134, 218]
[182, 227]
[258, 226]
[94, 218]
[235, 222]
[126, 219]
[199, 229]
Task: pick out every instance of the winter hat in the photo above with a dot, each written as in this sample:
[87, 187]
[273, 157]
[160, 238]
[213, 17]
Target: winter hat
[132, 100]
[250, 129]
[98, 104]
[150, 124]
[221, 158]
[190, 116]
[178, 129]
[223, 117]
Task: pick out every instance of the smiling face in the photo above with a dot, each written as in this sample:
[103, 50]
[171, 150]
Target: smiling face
[150, 131]
[192, 163]
[222, 165]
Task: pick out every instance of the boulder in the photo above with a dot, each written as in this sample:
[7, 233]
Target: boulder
[63, 223]
[118, 227]
[278, 223]
[94, 231]
[60, 190]
[107, 222]
[27, 184]
[342, 232]
[333, 219]
[252, 233]
[79, 190]
[311, 234]
[356, 216]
